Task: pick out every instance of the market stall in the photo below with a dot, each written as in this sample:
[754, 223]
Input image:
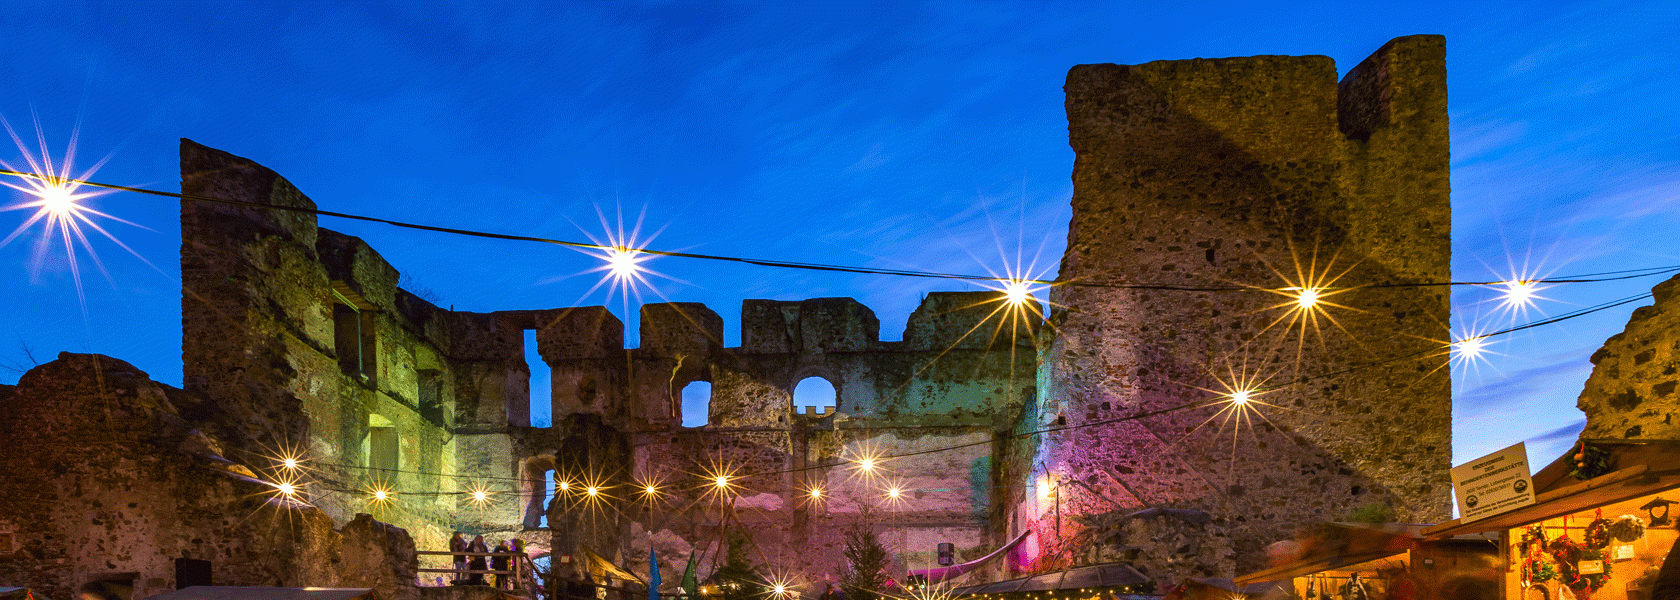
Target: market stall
[1598, 528]
[1382, 561]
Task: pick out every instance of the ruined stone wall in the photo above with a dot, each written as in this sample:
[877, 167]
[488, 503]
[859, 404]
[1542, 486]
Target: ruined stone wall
[110, 480]
[957, 379]
[1630, 394]
[299, 340]
[1265, 173]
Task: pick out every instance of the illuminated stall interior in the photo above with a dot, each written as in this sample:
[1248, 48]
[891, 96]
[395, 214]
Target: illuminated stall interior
[1599, 525]
[1384, 560]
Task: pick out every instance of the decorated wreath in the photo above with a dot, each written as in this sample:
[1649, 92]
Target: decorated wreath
[1593, 581]
[1567, 554]
[1597, 536]
[1627, 528]
[1589, 461]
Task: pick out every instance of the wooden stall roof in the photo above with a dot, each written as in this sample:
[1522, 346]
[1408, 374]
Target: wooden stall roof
[208, 592]
[1340, 545]
[1642, 468]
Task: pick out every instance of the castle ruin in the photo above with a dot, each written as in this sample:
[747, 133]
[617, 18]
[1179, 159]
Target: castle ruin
[1199, 185]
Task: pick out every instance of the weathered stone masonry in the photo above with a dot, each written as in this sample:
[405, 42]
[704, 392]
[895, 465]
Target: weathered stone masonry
[1263, 172]
[1201, 173]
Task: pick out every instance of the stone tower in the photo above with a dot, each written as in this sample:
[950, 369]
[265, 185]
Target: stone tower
[1197, 176]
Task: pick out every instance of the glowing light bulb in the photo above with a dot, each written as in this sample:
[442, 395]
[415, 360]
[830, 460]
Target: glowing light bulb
[286, 489]
[1519, 293]
[592, 490]
[624, 263]
[816, 493]
[1240, 397]
[650, 490]
[57, 199]
[1017, 292]
[1470, 347]
[893, 493]
[380, 495]
[480, 496]
[289, 463]
[867, 464]
[722, 481]
[565, 485]
[1307, 298]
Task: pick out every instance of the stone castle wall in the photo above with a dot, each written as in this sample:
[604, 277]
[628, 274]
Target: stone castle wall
[1631, 392]
[1242, 172]
[304, 333]
[1260, 173]
[112, 481]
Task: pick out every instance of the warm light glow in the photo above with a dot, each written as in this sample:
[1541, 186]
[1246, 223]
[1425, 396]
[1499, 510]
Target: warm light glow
[867, 464]
[289, 463]
[650, 490]
[894, 493]
[593, 491]
[721, 481]
[1519, 294]
[816, 493]
[1307, 298]
[380, 495]
[57, 199]
[564, 485]
[779, 589]
[1469, 349]
[1241, 397]
[286, 489]
[479, 494]
[1017, 292]
[624, 263]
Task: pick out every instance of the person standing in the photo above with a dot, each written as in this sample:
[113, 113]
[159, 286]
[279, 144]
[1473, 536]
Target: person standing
[499, 562]
[457, 545]
[477, 562]
[1667, 584]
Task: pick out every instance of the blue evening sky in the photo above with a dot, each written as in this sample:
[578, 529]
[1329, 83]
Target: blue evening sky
[906, 135]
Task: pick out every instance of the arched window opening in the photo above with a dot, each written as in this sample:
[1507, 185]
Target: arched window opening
[696, 404]
[815, 396]
[548, 497]
[542, 391]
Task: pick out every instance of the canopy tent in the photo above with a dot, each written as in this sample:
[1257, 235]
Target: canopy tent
[209, 592]
[600, 562]
[1111, 575]
[1643, 468]
[938, 574]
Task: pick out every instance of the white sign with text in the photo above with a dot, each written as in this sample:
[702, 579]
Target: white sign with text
[1493, 484]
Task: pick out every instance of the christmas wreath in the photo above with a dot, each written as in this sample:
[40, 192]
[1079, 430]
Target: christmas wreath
[1567, 554]
[1627, 528]
[1589, 461]
[1593, 581]
[1597, 536]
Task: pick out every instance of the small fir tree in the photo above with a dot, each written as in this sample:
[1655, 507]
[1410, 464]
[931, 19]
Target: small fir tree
[867, 572]
[738, 578]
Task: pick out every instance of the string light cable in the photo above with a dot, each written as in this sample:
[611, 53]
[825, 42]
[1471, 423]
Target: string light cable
[1132, 417]
[1583, 278]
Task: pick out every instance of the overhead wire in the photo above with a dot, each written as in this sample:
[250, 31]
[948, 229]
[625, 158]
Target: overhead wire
[811, 266]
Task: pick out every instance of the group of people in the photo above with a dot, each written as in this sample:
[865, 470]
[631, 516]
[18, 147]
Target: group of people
[458, 544]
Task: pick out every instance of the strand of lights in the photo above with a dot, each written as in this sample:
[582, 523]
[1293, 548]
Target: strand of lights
[626, 259]
[722, 479]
